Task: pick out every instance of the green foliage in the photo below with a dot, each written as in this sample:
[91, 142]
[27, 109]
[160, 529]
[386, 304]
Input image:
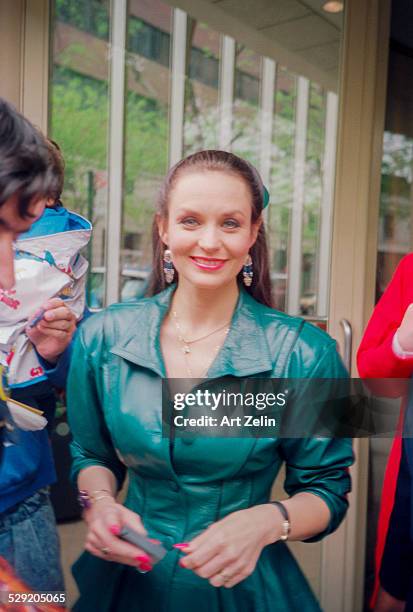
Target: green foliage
[80, 126]
[88, 15]
[146, 155]
[80, 116]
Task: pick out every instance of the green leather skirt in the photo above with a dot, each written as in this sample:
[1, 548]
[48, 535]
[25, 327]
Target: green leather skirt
[277, 584]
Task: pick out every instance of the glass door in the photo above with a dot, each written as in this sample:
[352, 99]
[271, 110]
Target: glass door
[395, 232]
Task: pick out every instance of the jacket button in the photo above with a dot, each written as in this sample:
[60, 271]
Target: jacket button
[174, 486]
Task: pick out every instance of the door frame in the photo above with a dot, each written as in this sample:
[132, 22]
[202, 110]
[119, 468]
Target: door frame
[362, 105]
[25, 41]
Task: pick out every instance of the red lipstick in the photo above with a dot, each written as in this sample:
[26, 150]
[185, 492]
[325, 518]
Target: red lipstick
[210, 264]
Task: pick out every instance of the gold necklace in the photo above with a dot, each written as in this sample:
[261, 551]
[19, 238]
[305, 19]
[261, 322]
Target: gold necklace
[186, 348]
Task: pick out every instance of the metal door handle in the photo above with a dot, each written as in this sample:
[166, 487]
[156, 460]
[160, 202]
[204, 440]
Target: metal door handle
[348, 343]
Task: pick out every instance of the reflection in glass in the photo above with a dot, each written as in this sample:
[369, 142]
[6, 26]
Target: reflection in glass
[201, 116]
[312, 199]
[79, 119]
[395, 218]
[281, 181]
[146, 136]
[245, 140]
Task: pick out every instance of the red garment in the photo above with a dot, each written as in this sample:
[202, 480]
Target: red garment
[376, 359]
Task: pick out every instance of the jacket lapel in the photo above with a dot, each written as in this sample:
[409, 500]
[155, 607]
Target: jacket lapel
[142, 346]
[245, 352]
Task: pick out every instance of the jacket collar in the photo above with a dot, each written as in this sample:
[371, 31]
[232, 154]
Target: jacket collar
[244, 353]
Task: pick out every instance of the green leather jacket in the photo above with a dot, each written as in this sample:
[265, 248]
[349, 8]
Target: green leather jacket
[179, 488]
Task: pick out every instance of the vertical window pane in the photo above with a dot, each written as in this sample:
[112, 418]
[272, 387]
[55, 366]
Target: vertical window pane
[79, 119]
[395, 220]
[312, 201]
[201, 117]
[146, 136]
[281, 182]
[246, 111]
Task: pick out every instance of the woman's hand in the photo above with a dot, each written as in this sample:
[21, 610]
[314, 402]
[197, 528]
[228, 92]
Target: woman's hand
[405, 331]
[53, 333]
[227, 551]
[105, 520]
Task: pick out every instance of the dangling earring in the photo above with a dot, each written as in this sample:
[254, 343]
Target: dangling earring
[168, 267]
[247, 272]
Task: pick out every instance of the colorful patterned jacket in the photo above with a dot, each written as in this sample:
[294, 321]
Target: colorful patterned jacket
[47, 264]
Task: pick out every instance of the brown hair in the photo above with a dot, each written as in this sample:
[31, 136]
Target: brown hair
[57, 166]
[222, 161]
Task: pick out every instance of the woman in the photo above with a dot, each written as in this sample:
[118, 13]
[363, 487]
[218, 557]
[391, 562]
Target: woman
[206, 497]
[386, 351]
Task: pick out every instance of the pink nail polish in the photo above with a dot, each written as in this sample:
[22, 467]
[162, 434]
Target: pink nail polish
[181, 545]
[154, 541]
[145, 567]
[143, 559]
[115, 529]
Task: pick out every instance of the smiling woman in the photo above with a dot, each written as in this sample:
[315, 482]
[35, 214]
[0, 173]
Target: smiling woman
[211, 203]
[209, 218]
[209, 227]
[208, 502]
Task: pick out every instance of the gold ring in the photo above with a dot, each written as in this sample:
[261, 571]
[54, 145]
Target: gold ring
[225, 577]
[105, 550]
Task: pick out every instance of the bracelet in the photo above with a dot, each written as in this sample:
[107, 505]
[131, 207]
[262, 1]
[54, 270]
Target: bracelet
[86, 499]
[286, 525]
[105, 495]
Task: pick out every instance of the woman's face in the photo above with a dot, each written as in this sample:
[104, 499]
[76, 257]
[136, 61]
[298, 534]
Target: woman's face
[209, 229]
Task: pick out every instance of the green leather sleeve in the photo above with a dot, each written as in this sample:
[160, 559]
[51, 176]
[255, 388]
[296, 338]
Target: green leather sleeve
[320, 465]
[91, 443]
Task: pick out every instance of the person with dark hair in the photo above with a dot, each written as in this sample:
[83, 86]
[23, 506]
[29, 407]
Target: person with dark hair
[208, 314]
[50, 280]
[26, 178]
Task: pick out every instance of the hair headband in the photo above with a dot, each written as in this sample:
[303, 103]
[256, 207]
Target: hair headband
[266, 198]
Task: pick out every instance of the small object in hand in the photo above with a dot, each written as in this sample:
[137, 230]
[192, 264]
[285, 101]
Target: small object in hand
[156, 551]
[105, 550]
[36, 319]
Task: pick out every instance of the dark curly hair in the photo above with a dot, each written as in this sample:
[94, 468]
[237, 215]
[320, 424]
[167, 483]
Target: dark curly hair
[25, 166]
